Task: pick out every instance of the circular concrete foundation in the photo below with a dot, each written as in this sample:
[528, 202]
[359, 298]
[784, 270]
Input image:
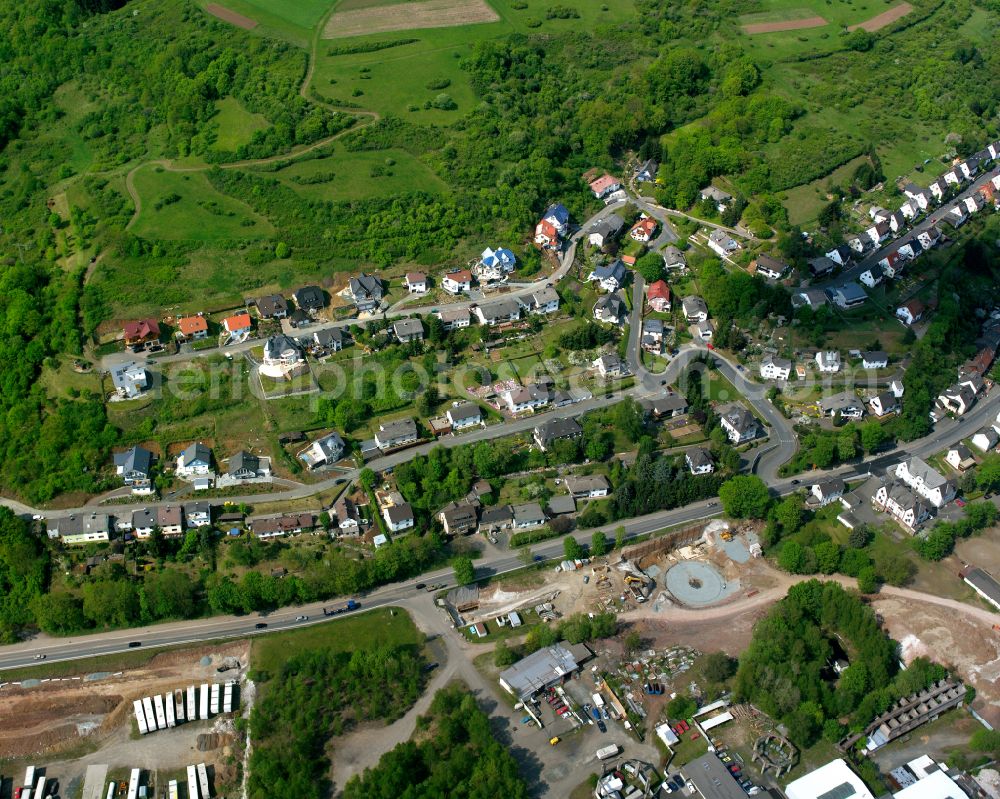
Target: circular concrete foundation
[695, 583]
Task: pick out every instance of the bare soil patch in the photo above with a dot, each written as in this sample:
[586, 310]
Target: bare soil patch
[409, 16]
[230, 16]
[787, 25]
[885, 18]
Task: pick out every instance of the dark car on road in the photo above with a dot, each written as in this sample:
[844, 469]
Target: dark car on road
[134, 644]
[260, 625]
[601, 725]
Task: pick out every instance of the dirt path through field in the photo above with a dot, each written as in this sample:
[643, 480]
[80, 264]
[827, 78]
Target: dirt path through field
[787, 25]
[883, 19]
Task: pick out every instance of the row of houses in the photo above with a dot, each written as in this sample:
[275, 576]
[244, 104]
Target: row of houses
[171, 520]
[773, 367]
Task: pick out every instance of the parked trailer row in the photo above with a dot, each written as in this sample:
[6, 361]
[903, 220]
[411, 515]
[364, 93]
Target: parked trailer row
[147, 706]
[161, 715]
[140, 717]
[111, 790]
[227, 697]
[29, 782]
[179, 704]
[168, 701]
[214, 700]
[172, 789]
[39, 787]
[203, 706]
[192, 782]
[133, 784]
[203, 781]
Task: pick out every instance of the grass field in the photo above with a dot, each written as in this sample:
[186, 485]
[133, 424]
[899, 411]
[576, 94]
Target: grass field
[236, 125]
[293, 21]
[191, 210]
[358, 175]
[805, 202]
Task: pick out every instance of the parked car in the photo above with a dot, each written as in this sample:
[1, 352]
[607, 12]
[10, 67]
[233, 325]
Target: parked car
[602, 726]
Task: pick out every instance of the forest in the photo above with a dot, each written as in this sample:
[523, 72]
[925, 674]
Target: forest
[453, 753]
[787, 672]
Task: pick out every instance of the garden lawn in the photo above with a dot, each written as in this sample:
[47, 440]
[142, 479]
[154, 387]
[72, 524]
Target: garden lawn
[200, 214]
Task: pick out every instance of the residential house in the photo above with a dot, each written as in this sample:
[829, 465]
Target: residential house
[722, 243]
[141, 331]
[651, 339]
[135, 467]
[499, 311]
[739, 424]
[960, 458]
[463, 415]
[192, 328]
[330, 339]
[958, 398]
[198, 514]
[416, 282]
[588, 487]
[609, 366]
[366, 291]
[669, 406]
[846, 403]
[926, 481]
[408, 330]
[884, 403]
[909, 210]
[194, 461]
[170, 520]
[245, 467]
[811, 298]
[610, 308]
[874, 359]
[398, 517]
[920, 197]
[324, 451]
[522, 399]
[985, 439]
[775, 368]
[850, 295]
[492, 520]
[646, 172]
[528, 515]
[859, 243]
[902, 504]
[560, 505]
[974, 203]
[878, 232]
[644, 229]
[273, 306]
[454, 318]
[282, 352]
[826, 491]
[605, 185]
[458, 518]
[553, 430]
[938, 188]
[543, 301]
[130, 379]
[699, 461]
[929, 237]
[80, 528]
[299, 318]
[896, 387]
[695, 309]
[546, 235]
[954, 176]
[500, 261]
[611, 277]
[396, 434]
[841, 255]
[969, 167]
[956, 215]
[897, 222]
[715, 195]
[605, 230]
[769, 267]
[892, 264]
[238, 324]
[706, 330]
[872, 276]
[910, 312]
[828, 361]
[673, 258]
[348, 518]
[142, 523]
[878, 214]
[658, 296]
[911, 249]
[282, 525]
[457, 282]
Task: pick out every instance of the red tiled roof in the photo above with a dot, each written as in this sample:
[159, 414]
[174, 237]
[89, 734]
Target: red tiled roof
[192, 324]
[603, 183]
[547, 229]
[240, 321]
[648, 224]
[658, 290]
[142, 328]
[415, 277]
[461, 276]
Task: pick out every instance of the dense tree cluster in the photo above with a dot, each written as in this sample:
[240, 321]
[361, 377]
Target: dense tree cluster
[454, 753]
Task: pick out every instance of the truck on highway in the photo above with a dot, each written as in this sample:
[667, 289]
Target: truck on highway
[147, 706]
[607, 751]
[203, 781]
[351, 605]
[161, 715]
[140, 716]
[192, 782]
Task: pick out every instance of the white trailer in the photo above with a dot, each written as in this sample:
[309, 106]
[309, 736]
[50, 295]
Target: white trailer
[147, 705]
[203, 706]
[607, 751]
[214, 703]
[192, 703]
[168, 702]
[192, 782]
[203, 781]
[227, 697]
[179, 704]
[172, 789]
[140, 716]
[39, 787]
[111, 790]
[133, 784]
[161, 716]
[598, 700]
[29, 782]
